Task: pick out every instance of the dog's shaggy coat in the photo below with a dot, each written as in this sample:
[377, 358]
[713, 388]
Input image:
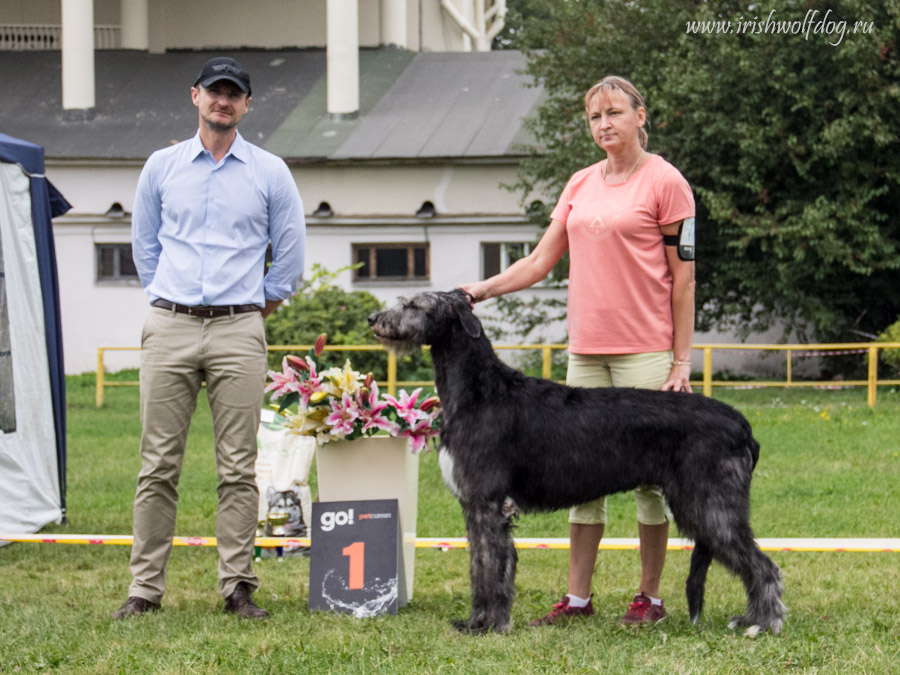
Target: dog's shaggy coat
[547, 446]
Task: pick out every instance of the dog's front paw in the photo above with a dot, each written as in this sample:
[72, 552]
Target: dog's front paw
[472, 627]
[469, 627]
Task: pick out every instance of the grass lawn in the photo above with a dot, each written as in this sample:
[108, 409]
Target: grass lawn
[829, 467]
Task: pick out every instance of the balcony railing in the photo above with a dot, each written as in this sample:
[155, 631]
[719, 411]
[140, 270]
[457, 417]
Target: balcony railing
[43, 37]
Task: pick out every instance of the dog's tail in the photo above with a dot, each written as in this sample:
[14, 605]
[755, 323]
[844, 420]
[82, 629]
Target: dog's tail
[753, 449]
[751, 445]
[696, 581]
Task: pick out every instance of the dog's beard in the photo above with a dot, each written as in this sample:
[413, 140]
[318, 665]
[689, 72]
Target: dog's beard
[399, 347]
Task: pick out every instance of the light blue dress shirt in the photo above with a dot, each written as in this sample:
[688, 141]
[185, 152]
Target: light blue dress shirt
[200, 229]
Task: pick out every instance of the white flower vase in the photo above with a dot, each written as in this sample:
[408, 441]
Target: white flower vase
[378, 467]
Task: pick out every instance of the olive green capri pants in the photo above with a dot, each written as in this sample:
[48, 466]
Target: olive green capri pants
[638, 371]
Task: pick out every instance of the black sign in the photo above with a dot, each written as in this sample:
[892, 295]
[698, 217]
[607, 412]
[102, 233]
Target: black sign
[356, 562]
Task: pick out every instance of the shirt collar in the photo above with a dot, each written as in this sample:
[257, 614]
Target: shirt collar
[238, 148]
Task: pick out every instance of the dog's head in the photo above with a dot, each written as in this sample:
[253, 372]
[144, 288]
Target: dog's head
[424, 319]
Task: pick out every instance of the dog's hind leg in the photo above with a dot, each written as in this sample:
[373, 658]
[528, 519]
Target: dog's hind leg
[492, 568]
[696, 581]
[762, 581]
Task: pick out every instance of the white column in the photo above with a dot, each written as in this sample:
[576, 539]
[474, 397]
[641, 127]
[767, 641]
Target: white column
[135, 24]
[342, 57]
[393, 23]
[78, 54]
[468, 11]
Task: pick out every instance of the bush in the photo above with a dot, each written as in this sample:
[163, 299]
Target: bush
[891, 356]
[320, 306]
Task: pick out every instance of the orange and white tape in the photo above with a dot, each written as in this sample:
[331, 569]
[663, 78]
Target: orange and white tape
[814, 545]
[821, 544]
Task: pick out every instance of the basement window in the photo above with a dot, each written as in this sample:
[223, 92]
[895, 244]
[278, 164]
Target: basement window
[114, 263]
[496, 257]
[391, 262]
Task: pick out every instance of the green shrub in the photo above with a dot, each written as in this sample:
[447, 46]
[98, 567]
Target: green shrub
[321, 306]
[891, 356]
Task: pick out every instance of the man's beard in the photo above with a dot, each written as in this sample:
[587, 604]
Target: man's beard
[218, 126]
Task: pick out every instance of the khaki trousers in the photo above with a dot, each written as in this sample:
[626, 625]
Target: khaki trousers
[178, 353]
[638, 371]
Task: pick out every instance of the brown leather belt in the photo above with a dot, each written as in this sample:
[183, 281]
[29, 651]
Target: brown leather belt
[205, 311]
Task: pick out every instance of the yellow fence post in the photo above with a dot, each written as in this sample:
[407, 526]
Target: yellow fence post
[546, 370]
[873, 375]
[707, 371]
[392, 373]
[99, 378]
[789, 353]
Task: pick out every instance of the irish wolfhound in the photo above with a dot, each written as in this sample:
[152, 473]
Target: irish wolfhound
[547, 446]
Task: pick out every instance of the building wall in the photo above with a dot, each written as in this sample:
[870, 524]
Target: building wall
[270, 24]
[107, 314]
[106, 12]
[376, 190]
[369, 190]
[288, 23]
[95, 315]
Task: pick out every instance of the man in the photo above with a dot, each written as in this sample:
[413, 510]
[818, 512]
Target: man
[204, 213]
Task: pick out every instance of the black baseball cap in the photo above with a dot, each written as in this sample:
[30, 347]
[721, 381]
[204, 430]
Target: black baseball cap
[224, 68]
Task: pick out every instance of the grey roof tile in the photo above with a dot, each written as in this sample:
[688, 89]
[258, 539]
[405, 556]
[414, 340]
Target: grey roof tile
[424, 105]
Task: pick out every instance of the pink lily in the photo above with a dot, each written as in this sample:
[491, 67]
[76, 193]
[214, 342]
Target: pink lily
[406, 406]
[297, 363]
[418, 435]
[429, 403]
[310, 385]
[283, 382]
[342, 417]
[370, 410]
[320, 344]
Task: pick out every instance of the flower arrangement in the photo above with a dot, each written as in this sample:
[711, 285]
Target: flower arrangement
[339, 403]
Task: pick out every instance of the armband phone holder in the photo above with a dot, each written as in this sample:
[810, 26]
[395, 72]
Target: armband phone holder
[684, 240]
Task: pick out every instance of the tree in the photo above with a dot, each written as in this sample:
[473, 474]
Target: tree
[789, 139]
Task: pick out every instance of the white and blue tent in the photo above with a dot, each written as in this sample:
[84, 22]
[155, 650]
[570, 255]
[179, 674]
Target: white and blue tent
[32, 381]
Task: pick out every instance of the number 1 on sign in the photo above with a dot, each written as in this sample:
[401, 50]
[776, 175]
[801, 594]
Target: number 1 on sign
[357, 554]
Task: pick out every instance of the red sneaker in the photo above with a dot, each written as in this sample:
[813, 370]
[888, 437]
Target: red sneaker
[642, 611]
[561, 609]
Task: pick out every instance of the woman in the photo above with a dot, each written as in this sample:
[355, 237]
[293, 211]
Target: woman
[630, 308]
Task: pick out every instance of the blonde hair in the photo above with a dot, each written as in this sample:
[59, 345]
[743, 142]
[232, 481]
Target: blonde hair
[615, 83]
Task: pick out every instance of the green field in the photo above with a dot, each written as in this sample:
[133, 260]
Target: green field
[829, 467]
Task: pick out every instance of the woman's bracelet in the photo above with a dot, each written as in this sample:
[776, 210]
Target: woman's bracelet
[681, 363]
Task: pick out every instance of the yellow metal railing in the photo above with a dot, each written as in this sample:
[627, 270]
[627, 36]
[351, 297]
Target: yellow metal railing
[706, 382]
[869, 348]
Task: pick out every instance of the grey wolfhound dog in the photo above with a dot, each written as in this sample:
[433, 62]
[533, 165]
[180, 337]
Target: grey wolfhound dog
[547, 446]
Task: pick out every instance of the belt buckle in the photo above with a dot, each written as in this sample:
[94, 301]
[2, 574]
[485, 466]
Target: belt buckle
[197, 312]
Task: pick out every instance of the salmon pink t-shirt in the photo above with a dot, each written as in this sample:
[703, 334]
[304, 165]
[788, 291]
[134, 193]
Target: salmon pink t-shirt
[620, 286]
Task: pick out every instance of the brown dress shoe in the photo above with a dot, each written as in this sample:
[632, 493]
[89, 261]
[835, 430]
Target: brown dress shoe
[135, 606]
[241, 603]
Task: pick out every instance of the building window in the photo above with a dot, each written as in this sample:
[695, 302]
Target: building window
[496, 257]
[114, 263]
[390, 262]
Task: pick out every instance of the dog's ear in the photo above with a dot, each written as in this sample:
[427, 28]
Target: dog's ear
[460, 308]
[470, 323]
